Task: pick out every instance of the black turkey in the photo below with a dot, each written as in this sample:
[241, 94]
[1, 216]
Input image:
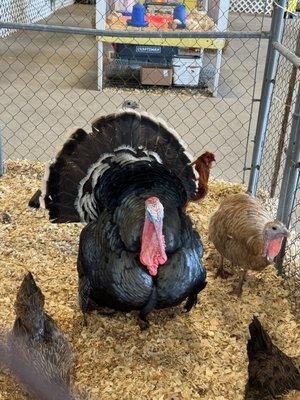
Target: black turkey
[129, 180]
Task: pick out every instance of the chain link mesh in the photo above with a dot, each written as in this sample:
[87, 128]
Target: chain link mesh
[49, 82]
[274, 159]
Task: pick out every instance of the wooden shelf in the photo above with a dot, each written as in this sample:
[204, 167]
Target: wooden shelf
[183, 42]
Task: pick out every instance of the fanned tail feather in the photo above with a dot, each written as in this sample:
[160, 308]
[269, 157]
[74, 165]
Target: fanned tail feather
[119, 139]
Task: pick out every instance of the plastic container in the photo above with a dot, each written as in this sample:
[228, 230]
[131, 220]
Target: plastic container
[180, 13]
[186, 70]
[138, 16]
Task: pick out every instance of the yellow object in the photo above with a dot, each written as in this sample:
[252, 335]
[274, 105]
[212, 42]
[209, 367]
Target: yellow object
[292, 4]
[183, 42]
[190, 4]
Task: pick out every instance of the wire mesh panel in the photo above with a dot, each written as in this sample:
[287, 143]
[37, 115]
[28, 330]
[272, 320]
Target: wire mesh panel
[51, 82]
[272, 179]
[292, 261]
[281, 113]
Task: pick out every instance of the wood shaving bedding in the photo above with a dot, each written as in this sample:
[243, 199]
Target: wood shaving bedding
[200, 355]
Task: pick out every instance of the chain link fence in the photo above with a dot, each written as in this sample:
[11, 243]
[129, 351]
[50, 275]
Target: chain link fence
[59, 72]
[52, 81]
[277, 160]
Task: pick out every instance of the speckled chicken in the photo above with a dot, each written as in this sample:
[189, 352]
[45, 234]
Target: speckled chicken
[36, 339]
[244, 233]
[129, 180]
[271, 372]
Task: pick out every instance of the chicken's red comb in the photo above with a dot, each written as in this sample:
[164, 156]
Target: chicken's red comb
[208, 156]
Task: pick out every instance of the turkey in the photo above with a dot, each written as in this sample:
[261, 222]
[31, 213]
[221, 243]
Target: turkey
[243, 233]
[271, 372]
[129, 180]
[38, 343]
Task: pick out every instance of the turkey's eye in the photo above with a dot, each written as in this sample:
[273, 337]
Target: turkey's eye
[274, 228]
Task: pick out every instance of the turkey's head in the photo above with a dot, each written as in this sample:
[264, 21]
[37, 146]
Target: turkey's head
[153, 246]
[274, 233]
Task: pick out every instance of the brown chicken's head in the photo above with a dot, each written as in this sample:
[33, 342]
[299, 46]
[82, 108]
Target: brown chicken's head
[206, 158]
[274, 233]
[153, 246]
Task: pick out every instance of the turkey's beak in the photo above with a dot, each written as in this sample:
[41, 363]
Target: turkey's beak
[285, 232]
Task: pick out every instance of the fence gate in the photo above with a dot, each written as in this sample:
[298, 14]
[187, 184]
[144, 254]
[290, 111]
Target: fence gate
[276, 157]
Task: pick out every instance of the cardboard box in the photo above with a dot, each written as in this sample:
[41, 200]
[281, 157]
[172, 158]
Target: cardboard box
[156, 76]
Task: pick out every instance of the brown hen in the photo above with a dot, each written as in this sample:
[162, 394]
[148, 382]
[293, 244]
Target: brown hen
[244, 233]
[203, 165]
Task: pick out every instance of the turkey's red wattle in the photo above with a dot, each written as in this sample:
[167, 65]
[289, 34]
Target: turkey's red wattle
[153, 247]
[273, 248]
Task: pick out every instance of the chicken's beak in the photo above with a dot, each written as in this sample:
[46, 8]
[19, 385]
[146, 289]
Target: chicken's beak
[285, 232]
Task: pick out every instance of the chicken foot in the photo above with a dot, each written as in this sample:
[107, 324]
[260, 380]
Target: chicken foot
[238, 290]
[143, 320]
[221, 271]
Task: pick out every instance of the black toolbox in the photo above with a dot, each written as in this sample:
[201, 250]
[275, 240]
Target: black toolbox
[146, 54]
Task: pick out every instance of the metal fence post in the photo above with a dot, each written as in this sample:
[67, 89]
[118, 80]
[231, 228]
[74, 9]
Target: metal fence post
[266, 94]
[285, 119]
[1, 153]
[290, 179]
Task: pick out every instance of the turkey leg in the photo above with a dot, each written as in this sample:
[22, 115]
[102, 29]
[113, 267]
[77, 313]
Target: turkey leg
[221, 272]
[238, 290]
[193, 298]
[143, 321]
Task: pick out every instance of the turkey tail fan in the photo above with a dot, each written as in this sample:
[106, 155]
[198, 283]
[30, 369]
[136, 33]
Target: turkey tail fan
[123, 137]
[141, 130]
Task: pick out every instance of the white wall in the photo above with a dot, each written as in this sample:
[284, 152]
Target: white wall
[27, 11]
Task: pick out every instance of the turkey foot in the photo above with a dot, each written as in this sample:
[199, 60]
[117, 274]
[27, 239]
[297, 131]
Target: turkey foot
[221, 271]
[93, 306]
[143, 324]
[238, 290]
[190, 303]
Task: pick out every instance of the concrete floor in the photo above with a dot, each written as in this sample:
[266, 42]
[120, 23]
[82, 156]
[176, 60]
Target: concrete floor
[48, 85]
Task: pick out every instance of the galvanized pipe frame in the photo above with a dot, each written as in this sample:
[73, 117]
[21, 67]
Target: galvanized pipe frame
[288, 54]
[73, 30]
[291, 176]
[291, 167]
[1, 154]
[272, 58]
